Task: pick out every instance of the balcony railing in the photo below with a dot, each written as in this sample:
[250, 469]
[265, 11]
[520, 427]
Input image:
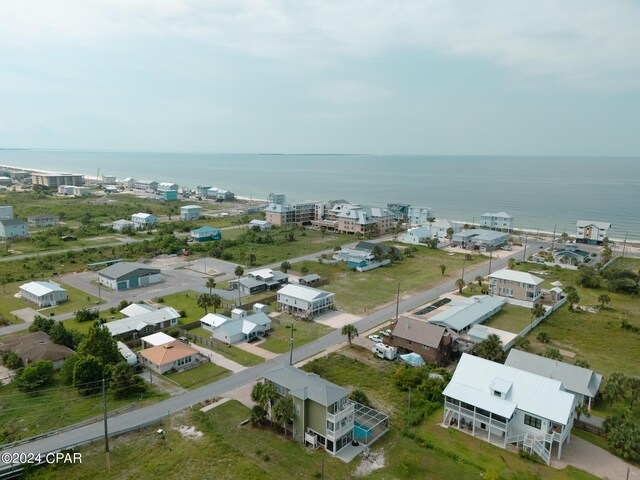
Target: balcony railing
[347, 410]
[478, 416]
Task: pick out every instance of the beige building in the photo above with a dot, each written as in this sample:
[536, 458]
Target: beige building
[518, 285]
[54, 180]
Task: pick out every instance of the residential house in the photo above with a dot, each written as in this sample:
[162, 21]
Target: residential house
[170, 195]
[323, 415]
[143, 220]
[500, 221]
[34, 347]
[305, 302]
[44, 220]
[137, 309]
[175, 355]
[109, 179]
[125, 275]
[156, 339]
[440, 228]
[220, 194]
[261, 224]
[400, 211]
[240, 326]
[129, 183]
[310, 280]
[5, 181]
[190, 212]
[259, 281]
[6, 212]
[65, 189]
[417, 236]
[166, 186]
[149, 185]
[418, 215]
[81, 192]
[206, 233]
[584, 383]
[506, 405]
[122, 224]
[479, 239]
[513, 284]
[361, 260]
[460, 314]
[432, 342]
[144, 323]
[13, 228]
[54, 180]
[571, 254]
[201, 190]
[591, 232]
[43, 294]
[276, 198]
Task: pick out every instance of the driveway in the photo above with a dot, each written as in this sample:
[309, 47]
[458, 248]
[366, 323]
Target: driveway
[337, 319]
[218, 359]
[586, 456]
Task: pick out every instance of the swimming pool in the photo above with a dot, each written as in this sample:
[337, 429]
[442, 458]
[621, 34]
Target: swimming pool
[360, 432]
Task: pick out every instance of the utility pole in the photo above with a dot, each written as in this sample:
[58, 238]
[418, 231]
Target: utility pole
[490, 258]
[398, 302]
[104, 414]
[553, 239]
[524, 254]
[624, 245]
[463, 261]
[291, 346]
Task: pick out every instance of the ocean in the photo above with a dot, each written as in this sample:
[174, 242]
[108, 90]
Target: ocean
[540, 192]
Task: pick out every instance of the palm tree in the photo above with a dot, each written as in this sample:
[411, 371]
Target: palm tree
[582, 409]
[239, 271]
[523, 344]
[216, 301]
[479, 280]
[443, 267]
[204, 301]
[460, 284]
[211, 284]
[283, 411]
[603, 300]
[350, 331]
[450, 233]
[490, 348]
[258, 415]
[572, 298]
[511, 263]
[285, 266]
[251, 258]
[537, 311]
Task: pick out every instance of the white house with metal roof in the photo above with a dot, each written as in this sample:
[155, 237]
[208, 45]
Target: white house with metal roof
[261, 224]
[305, 302]
[417, 236]
[514, 284]
[417, 215]
[136, 309]
[143, 220]
[125, 275]
[479, 239]
[13, 228]
[156, 339]
[506, 405]
[43, 294]
[588, 231]
[440, 228]
[582, 382]
[190, 212]
[240, 326]
[144, 324]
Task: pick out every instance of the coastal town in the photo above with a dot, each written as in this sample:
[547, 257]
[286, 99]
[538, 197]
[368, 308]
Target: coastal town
[313, 339]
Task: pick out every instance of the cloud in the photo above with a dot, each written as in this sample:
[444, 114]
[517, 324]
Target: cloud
[583, 43]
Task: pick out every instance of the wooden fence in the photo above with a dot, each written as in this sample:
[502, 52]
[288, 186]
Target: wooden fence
[587, 427]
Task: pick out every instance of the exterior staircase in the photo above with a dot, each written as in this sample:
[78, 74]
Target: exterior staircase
[536, 444]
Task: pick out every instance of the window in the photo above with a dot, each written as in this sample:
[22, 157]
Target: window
[533, 421]
[298, 409]
[497, 393]
[329, 426]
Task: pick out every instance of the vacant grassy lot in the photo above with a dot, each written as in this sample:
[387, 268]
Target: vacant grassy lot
[199, 376]
[30, 246]
[54, 407]
[511, 319]
[229, 351]
[185, 301]
[595, 337]
[358, 292]
[303, 333]
[9, 302]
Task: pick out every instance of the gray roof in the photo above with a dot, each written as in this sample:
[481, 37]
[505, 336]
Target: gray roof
[12, 222]
[574, 379]
[478, 234]
[126, 270]
[599, 225]
[138, 322]
[312, 277]
[305, 385]
[461, 313]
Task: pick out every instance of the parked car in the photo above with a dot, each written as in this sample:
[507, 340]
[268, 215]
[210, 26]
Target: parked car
[386, 333]
[375, 338]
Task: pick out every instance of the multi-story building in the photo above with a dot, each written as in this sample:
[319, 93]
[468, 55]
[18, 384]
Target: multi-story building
[143, 220]
[361, 219]
[592, 232]
[150, 185]
[400, 211]
[301, 213]
[190, 212]
[129, 183]
[305, 302]
[276, 198]
[109, 179]
[166, 186]
[13, 228]
[54, 180]
[501, 221]
[42, 220]
[418, 215]
[513, 284]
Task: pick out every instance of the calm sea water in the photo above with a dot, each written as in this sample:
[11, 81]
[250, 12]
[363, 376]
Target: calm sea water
[540, 192]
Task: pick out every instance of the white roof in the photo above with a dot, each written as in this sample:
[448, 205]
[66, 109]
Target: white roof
[118, 327]
[463, 312]
[499, 214]
[534, 394]
[515, 276]
[264, 273]
[420, 232]
[190, 207]
[308, 294]
[142, 215]
[136, 309]
[259, 222]
[598, 225]
[214, 319]
[41, 288]
[159, 338]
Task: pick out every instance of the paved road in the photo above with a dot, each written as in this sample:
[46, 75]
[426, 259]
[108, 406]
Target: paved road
[180, 402]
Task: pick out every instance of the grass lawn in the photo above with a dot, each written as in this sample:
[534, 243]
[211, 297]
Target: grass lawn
[54, 407]
[591, 438]
[236, 354]
[185, 301]
[595, 337]
[76, 300]
[358, 292]
[199, 376]
[303, 333]
[26, 246]
[511, 319]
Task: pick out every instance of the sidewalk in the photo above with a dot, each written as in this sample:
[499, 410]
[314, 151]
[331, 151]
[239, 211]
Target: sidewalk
[252, 348]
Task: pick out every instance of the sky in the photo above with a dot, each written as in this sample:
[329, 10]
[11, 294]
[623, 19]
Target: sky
[453, 77]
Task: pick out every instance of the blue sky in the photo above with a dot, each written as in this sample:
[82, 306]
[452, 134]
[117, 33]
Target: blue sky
[432, 76]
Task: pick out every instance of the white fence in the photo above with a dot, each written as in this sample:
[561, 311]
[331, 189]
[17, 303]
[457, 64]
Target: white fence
[535, 323]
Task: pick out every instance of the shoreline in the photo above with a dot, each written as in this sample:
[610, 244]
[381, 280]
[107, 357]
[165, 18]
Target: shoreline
[542, 233]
